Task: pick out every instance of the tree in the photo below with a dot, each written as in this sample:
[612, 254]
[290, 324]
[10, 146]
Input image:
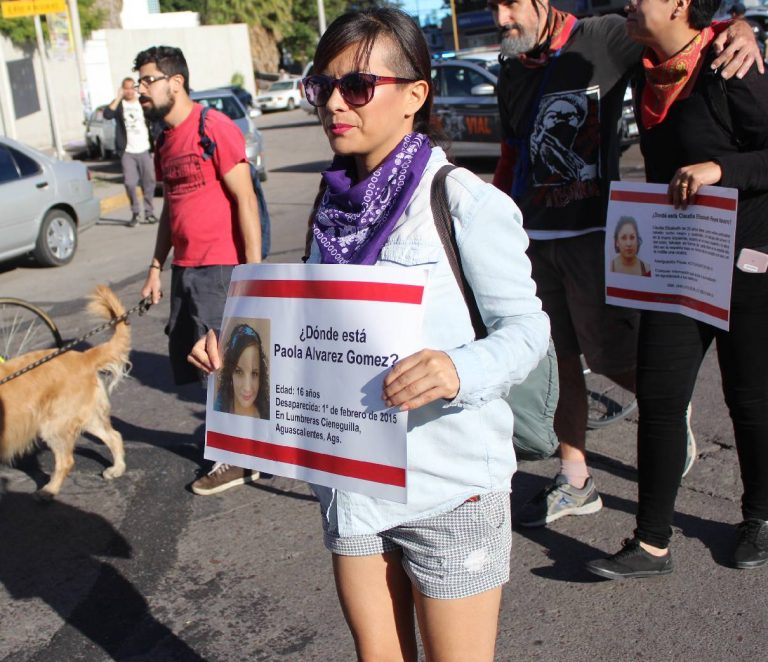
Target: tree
[182, 5]
[304, 32]
[369, 4]
[21, 31]
[272, 15]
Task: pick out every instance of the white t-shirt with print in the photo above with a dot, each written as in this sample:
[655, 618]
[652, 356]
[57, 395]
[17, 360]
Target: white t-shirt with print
[135, 128]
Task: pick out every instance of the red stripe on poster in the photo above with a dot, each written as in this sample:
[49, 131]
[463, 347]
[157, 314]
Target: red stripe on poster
[328, 289]
[678, 299]
[341, 466]
[728, 204]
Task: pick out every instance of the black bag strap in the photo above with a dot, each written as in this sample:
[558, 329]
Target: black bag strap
[441, 212]
[209, 147]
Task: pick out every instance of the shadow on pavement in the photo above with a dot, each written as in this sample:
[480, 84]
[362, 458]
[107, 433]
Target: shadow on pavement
[154, 370]
[105, 220]
[271, 489]
[50, 551]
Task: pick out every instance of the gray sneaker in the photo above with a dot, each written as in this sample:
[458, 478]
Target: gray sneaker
[558, 500]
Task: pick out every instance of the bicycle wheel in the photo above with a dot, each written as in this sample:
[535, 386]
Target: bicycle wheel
[25, 328]
[607, 402]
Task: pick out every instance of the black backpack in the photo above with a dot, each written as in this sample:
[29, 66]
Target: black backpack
[209, 147]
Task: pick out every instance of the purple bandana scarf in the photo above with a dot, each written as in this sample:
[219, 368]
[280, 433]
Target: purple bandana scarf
[354, 221]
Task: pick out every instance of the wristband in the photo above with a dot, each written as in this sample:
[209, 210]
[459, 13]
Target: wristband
[155, 266]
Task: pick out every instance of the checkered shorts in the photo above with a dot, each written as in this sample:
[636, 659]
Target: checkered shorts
[452, 555]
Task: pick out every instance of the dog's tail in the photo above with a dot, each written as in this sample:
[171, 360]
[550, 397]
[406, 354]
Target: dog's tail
[111, 356]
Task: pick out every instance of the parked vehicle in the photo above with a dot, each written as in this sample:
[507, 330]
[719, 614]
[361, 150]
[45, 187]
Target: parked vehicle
[303, 103]
[628, 130]
[243, 95]
[281, 95]
[467, 108]
[224, 100]
[45, 203]
[100, 135]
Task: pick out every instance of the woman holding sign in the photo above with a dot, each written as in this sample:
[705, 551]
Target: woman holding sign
[444, 554]
[698, 129]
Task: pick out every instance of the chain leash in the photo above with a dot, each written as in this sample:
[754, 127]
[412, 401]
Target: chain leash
[142, 307]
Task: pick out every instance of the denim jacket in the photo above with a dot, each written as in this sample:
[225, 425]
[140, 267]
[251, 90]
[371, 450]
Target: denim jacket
[460, 448]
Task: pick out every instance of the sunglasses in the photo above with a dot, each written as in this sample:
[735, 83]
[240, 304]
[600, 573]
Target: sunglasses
[355, 88]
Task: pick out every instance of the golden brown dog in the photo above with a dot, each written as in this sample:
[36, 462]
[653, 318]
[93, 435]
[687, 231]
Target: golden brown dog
[66, 396]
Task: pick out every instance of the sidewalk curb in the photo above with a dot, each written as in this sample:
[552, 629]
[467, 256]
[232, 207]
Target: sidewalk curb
[113, 202]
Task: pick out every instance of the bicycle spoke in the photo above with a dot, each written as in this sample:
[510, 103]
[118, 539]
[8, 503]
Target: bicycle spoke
[23, 329]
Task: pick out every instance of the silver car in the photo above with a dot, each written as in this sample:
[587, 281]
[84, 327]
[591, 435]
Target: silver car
[45, 203]
[100, 135]
[226, 101]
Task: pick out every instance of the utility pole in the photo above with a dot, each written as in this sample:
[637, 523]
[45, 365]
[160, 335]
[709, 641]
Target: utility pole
[77, 38]
[321, 16]
[455, 27]
[52, 113]
[6, 105]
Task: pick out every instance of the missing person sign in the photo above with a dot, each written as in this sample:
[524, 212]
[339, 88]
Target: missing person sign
[676, 260]
[305, 349]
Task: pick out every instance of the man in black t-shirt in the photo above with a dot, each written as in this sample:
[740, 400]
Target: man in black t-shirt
[560, 94]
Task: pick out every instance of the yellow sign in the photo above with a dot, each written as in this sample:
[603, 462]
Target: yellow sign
[19, 8]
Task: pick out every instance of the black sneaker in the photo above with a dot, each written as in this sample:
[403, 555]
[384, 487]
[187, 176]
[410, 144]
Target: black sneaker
[150, 219]
[751, 544]
[632, 561]
[134, 221]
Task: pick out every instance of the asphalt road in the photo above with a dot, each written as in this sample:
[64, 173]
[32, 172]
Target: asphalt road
[141, 569]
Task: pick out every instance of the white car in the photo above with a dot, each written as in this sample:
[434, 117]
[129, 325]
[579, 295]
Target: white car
[45, 203]
[281, 95]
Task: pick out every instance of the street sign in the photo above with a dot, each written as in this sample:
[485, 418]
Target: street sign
[19, 8]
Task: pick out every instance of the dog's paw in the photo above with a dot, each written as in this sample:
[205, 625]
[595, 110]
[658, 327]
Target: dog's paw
[44, 496]
[115, 471]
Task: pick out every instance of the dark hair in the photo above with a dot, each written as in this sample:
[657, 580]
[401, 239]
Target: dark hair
[169, 59]
[127, 78]
[625, 220]
[700, 13]
[242, 337]
[408, 58]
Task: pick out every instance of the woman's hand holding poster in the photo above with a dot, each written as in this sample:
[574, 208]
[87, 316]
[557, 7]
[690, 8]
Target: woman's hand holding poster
[305, 349]
[678, 260]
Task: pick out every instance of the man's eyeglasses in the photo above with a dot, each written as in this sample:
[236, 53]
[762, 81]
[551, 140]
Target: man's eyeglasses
[148, 80]
[356, 88]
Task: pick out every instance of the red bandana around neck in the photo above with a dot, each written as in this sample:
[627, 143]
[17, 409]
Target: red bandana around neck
[561, 27]
[668, 81]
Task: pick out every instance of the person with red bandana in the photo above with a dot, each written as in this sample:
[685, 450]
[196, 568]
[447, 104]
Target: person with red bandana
[560, 94]
[687, 144]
